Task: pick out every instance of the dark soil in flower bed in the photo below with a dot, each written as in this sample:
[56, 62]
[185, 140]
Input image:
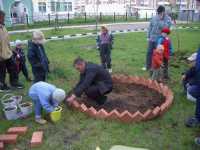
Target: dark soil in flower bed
[131, 97]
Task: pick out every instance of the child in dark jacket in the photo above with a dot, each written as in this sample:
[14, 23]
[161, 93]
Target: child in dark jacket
[104, 43]
[157, 61]
[168, 50]
[20, 59]
[37, 57]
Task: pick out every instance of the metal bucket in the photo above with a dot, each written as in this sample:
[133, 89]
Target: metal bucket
[10, 112]
[26, 108]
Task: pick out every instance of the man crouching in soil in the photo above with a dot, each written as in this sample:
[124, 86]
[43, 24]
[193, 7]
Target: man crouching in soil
[95, 81]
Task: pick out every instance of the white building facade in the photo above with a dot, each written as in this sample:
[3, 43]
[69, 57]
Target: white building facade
[43, 9]
[1, 4]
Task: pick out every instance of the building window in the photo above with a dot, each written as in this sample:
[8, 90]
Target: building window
[53, 4]
[42, 7]
[67, 6]
[58, 6]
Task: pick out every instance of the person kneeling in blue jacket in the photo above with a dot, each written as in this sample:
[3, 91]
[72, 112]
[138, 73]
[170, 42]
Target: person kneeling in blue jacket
[194, 91]
[46, 96]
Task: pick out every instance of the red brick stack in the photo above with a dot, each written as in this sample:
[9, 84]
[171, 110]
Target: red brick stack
[12, 134]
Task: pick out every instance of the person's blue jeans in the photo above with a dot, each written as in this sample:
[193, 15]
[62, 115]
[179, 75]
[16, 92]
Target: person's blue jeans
[37, 106]
[151, 47]
[194, 90]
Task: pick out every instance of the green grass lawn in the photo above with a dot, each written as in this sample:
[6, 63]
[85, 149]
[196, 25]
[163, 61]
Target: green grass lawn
[76, 131]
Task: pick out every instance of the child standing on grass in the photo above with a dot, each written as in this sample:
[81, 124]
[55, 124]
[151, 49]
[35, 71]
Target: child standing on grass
[104, 43]
[20, 60]
[37, 57]
[157, 61]
[166, 42]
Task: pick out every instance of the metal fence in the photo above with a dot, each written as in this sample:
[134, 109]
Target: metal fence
[79, 18]
[189, 15]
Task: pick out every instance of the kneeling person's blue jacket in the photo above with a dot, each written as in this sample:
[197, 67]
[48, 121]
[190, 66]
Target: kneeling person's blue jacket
[42, 92]
[194, 72]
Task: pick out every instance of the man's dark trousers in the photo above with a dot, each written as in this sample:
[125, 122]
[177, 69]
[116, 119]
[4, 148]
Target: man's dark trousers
[9, 66]
[194, 90]
[151, 47]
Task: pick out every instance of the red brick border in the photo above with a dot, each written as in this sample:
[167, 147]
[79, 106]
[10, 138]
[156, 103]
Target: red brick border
[126, 116]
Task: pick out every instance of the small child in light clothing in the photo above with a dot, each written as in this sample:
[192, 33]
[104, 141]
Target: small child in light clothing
[157, 61]
[20, 60]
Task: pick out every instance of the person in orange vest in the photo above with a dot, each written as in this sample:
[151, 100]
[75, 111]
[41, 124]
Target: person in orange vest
[156, 65]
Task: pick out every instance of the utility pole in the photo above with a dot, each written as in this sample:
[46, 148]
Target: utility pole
[97, 12]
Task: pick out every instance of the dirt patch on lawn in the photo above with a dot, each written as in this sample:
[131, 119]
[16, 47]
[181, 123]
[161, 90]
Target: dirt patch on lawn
[131, 97]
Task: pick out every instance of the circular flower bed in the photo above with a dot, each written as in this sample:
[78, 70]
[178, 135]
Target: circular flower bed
[157, 104]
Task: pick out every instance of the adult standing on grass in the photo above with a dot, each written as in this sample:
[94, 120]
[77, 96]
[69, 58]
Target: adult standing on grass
[95, 82]
[6, 62]
[194, 90]
[157, 23]
[37, 57]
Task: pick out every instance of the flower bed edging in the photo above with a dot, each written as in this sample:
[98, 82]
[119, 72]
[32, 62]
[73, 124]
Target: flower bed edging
[126, 116]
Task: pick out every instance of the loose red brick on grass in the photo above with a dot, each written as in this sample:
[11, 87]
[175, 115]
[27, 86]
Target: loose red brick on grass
[37, 138]
[1, 146]
[8, 138]
[17, 130]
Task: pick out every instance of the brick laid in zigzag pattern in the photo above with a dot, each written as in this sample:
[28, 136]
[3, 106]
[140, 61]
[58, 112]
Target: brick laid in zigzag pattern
[126, 116]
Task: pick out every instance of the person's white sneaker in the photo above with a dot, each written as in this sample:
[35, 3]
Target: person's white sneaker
[110, 70]
[144, 68]
[41, 121]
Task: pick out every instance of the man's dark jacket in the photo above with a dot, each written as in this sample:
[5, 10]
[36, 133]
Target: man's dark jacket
[94, 75]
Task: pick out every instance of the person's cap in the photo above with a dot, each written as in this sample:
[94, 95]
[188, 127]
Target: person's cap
[59, 95]
[192, 57]
[166, 30]
[18, 42]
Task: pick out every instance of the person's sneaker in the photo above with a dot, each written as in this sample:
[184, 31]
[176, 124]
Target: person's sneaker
[41, 121]
[110, 70]
[197, 141]
[144, 68]
[5, 89]
[17, 86]
[192, 122]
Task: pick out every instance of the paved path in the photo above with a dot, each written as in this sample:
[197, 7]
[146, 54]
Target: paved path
[111, 26]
